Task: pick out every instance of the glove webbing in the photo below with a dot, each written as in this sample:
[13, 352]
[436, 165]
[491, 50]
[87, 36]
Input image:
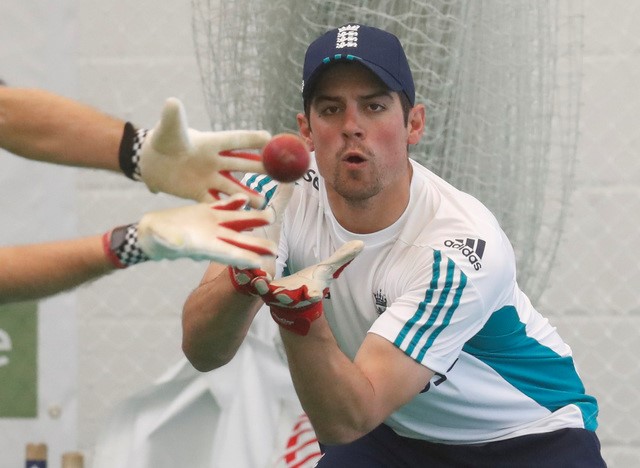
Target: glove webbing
[129, 153]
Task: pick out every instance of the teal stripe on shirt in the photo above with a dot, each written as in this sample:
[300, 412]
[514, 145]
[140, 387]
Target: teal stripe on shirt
[257, 182]
[439, 307]
[447, 318]
[435, 276]
[270, 193]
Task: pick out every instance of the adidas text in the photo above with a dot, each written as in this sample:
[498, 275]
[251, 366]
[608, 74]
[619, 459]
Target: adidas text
[466, 250]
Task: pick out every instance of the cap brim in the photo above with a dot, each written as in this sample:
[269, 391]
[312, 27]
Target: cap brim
[380, 72]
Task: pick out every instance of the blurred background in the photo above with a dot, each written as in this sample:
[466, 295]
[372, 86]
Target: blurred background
[67, 362]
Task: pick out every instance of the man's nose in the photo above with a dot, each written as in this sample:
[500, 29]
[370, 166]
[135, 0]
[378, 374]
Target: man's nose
[352, 125]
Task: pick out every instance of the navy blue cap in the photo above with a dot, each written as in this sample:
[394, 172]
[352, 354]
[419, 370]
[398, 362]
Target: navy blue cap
[378, 50]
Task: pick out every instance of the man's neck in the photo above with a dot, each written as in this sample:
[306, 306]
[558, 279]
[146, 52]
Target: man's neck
[372, 214]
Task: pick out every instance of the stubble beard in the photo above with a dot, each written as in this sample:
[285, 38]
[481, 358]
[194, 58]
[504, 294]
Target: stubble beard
[357, 186]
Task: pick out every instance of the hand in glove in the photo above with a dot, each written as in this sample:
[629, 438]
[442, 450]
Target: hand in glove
[296, 300]
[254, 281]
[175, 159]
[200, 232]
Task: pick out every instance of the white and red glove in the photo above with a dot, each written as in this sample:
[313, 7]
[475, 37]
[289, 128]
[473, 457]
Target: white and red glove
[296, 300]
[201, 232]
[250, 281]
[254, 281]
[187, 163]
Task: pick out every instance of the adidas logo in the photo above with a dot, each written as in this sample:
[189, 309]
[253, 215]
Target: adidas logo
[470, 248]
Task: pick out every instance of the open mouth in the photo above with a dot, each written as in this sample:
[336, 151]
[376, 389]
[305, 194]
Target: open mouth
[354, 159]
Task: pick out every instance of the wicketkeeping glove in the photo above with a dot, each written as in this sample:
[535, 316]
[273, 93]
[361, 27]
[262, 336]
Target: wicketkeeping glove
[175, 159]
[296, 300]
[254, 281]
[201, 232]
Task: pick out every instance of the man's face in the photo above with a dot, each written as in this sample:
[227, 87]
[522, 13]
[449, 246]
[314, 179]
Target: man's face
[357, 130]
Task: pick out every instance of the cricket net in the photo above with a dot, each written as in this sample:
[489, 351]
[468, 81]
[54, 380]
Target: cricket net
[500, 81]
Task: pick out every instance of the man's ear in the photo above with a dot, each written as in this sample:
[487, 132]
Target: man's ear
[305, 130]
[416, 122]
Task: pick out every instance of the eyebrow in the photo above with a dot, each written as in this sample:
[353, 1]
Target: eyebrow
[375, 94]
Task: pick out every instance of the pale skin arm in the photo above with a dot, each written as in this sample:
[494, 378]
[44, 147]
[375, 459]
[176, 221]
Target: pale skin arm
[42, 126]
[346, 400]
[38, 270]
[215, 320]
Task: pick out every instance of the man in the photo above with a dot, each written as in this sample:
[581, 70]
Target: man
[424, 352]
[171, 158]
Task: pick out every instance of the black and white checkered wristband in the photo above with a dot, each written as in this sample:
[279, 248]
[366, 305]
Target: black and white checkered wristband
[130, 147]
[121, 246]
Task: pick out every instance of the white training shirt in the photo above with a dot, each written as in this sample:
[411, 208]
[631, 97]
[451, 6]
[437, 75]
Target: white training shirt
[440, 284]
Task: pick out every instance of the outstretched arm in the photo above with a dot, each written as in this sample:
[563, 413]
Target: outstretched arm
[40, 270]
[43, 126]
[170, 158]
[200, 232]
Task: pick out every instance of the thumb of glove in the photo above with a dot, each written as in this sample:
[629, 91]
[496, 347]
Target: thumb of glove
[171, 135]
[296, 301]
[333, 266]
[310, 284]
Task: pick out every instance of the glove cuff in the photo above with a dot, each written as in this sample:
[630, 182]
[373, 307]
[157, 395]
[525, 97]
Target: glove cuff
[121, 246]
[296, 320]
[130, 146]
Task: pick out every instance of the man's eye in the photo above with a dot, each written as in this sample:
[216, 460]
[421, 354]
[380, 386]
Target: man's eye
[329, 110]
[376, 107]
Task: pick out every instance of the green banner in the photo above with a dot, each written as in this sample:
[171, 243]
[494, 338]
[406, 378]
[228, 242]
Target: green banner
[19, 360]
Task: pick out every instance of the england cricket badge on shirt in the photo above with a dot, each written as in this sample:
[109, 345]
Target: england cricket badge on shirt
[380, 299]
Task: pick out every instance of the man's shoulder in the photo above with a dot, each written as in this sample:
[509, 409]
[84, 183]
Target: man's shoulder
[458, 227]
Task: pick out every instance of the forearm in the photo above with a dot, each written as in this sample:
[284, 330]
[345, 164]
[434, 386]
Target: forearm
[39, 270]
[43, 126]
[346, 399]
[215, 320]
[334, 392]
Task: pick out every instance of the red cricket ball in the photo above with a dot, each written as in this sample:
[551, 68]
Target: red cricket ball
[286, 157]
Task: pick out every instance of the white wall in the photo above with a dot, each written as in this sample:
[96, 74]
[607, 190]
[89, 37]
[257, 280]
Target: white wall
[594, 292]
[37, 203]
